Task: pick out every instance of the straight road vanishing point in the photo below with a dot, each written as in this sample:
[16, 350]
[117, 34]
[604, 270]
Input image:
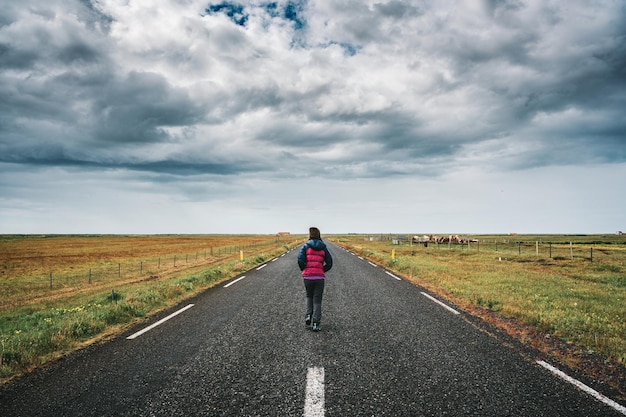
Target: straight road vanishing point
[387, 348]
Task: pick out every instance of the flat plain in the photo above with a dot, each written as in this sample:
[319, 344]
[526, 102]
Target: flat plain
[61, 292]
[563, 295]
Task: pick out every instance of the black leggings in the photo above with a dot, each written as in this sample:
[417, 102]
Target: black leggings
[314, 291]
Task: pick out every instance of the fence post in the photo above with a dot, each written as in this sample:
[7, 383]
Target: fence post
[50, 280]
[119, 270]
[591, 253]
[571, 251]
[537, 248]
[550, 250]
[90, 275]
[174, 260]
[141, 267]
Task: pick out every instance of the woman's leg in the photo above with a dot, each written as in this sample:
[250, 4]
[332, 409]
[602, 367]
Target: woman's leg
[310, 292]
[318, 292]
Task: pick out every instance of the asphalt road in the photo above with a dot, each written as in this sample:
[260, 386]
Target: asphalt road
[385, 349]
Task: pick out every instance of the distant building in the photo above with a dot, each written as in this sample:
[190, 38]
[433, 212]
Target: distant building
[283, 233]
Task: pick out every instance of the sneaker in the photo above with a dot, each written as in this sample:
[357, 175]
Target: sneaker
[307, 321]
[316, 327]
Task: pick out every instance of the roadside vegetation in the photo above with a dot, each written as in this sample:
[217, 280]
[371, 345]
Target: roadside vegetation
[103, 284]
[563, 295]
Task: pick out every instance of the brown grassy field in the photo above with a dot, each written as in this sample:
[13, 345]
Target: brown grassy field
[36, 267]
[28, 256]
[566, 300]
[62, 292]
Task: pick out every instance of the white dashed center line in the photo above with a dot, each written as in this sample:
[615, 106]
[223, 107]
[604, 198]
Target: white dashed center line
[314, 400]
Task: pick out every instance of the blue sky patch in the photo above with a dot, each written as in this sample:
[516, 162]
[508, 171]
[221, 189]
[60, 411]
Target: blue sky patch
[293, 12]
[234, 11]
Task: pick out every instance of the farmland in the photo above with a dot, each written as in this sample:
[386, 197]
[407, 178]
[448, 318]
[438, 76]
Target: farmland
[60, 292]
[564, 295]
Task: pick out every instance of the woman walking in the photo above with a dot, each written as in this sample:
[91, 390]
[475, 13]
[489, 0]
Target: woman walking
[314, 260]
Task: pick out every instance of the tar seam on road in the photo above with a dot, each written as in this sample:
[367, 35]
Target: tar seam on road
[440, 303]
[583, 387]
[392, 275]
[152, 326]
[231, 283]
[314, 400]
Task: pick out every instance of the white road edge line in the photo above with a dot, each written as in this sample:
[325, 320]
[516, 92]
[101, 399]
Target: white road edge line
[583, 387]
[163, 320]
[373, 264]
[261, 267]
[314, 400]
[440, 303]
[231, 283]
[392, 275]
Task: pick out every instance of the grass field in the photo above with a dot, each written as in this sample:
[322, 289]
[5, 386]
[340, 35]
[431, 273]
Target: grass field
[31, 266]
[58, 289]
[61, 292]
[571, 293]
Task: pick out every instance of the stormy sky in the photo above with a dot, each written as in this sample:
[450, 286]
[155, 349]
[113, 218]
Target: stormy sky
[186, 116]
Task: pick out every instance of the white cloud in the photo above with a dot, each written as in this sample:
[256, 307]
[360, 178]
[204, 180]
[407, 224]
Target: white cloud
[228, 104]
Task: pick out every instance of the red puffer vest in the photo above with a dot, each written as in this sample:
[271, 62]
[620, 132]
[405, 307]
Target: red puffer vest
[314, 263]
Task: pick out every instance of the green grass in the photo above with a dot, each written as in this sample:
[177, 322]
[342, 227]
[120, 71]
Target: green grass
[576, 300]
[33, 334]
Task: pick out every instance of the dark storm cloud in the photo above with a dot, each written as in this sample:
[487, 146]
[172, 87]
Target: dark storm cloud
[397, 9]
[182, 167]
[182, 108]
[419, 82]
[134, 109]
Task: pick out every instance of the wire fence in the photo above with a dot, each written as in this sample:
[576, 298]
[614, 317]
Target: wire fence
[30, 286]
[589, 251]
[538, 249]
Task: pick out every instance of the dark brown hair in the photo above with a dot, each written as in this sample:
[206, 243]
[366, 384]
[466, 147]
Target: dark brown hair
[314, 233]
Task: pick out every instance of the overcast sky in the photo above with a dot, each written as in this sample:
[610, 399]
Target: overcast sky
[186, 116]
